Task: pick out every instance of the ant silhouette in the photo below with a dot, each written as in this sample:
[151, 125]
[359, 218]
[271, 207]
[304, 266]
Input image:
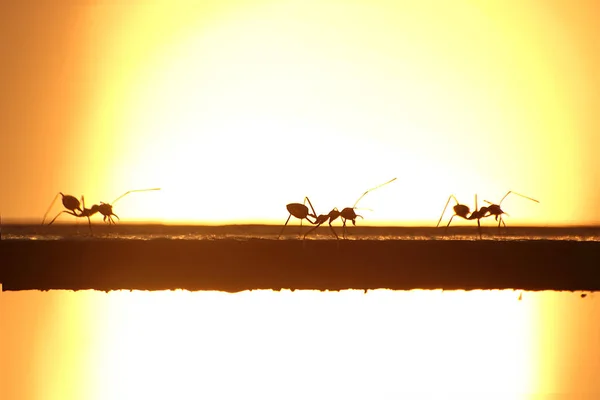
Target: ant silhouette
[300, 211]
[496, 211]
[461, 210]
[72, 204]
[346, 214]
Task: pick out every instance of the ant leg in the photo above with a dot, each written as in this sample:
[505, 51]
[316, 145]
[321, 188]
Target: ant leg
[449, 222]
[311, 206]
[109, 219]
[47, 211]
[63, 211]
[311, 229]
[333, 230]
[284, 225]
[446, 206]
[501, 221]
[479, 228]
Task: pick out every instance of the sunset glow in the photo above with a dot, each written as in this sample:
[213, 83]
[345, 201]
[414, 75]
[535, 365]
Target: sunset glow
[236, 108]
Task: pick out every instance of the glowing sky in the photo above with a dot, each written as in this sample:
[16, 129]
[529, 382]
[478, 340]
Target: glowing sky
[236, 108]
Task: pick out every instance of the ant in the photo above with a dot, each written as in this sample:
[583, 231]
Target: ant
[346, 214]
[300, 211]
[461, 210]
[72, 204]
[496, 211]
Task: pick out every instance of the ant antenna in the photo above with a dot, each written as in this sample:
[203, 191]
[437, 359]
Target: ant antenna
[131, 191]
[518, 194]
[511, 192]
[446, 206]
[376, 187]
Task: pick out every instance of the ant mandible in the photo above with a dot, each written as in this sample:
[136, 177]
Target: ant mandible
[461, 210]
[497, 212]
[300, 211]
[346, 214]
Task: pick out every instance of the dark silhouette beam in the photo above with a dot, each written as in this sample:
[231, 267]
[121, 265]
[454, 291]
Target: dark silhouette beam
[236, 265]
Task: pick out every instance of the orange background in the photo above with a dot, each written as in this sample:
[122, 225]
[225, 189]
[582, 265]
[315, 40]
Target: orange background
[236, 108]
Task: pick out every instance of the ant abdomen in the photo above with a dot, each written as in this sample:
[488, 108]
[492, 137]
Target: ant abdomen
[70, 202]
[298, 210]
[461, 210]
[495, 210]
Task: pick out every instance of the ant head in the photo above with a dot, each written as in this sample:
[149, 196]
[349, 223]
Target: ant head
[105, 209]
[496, 210]
[348, 213]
